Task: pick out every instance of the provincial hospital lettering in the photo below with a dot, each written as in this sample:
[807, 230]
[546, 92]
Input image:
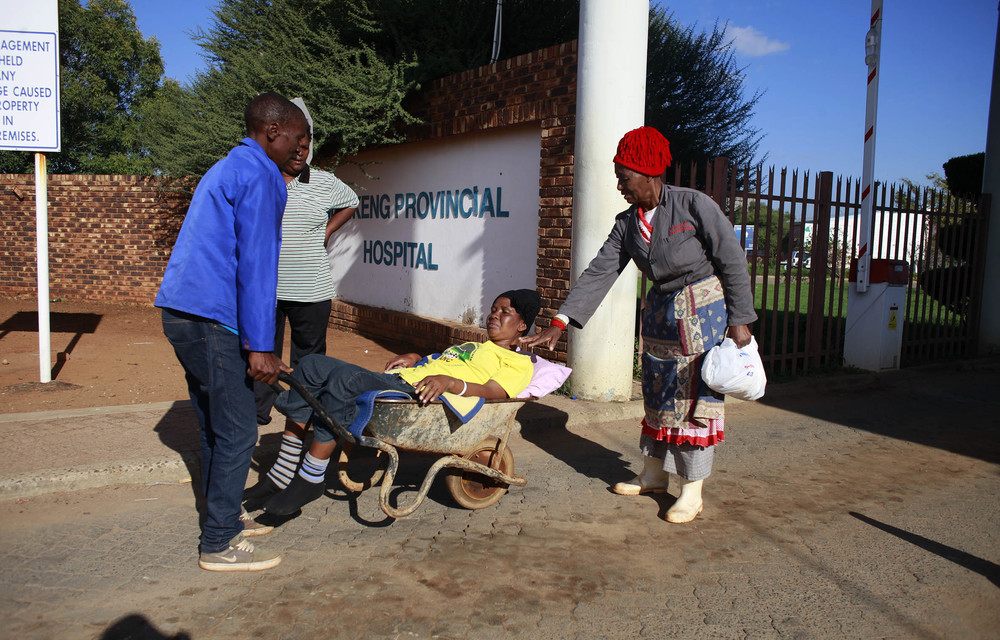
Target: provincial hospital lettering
[470, 202]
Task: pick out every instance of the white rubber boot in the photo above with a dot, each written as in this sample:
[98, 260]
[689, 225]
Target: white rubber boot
[689, 503]
[653, 479]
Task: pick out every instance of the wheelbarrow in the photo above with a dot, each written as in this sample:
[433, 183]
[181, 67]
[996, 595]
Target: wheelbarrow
[480, 465]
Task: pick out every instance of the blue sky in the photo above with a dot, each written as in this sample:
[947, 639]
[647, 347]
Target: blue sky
[807, 57]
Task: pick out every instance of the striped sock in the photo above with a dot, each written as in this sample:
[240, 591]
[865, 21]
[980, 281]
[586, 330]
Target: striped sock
[313, 469]
[288, 461]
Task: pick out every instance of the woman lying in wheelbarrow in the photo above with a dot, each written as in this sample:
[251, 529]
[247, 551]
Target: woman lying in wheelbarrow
[489, 369]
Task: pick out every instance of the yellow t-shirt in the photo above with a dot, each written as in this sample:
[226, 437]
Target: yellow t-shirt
[477, 362]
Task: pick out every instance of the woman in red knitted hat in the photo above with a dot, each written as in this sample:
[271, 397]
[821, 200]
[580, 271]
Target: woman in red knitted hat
[682, 242]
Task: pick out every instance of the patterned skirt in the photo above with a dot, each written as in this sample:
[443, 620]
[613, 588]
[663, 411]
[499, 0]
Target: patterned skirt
[677, 329]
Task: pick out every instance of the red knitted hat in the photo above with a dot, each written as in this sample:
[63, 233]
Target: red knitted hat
[644, 150]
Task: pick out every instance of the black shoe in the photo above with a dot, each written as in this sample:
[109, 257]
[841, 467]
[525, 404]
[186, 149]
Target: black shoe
[255, 497]
[262, 420]
[299, 493]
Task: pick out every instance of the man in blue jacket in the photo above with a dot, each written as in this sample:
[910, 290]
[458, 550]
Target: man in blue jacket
[218, 300]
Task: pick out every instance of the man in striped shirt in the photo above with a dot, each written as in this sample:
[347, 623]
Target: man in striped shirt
[318, 204]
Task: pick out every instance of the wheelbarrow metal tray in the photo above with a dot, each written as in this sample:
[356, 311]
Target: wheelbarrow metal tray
[405, 424]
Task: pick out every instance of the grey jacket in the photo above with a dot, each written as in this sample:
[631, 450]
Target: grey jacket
[691, 240]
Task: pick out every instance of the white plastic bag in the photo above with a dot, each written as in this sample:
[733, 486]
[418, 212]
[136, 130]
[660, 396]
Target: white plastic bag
[733, 371]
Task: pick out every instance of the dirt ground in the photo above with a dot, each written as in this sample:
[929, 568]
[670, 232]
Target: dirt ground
[110, 354]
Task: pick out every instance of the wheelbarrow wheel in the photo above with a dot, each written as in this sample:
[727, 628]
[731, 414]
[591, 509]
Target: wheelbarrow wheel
[473, 490]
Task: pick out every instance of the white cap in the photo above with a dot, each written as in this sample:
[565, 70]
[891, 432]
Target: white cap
[301, 104]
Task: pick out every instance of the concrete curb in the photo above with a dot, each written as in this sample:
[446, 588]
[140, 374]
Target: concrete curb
[551, 412]
[171, 469]
[60, 414]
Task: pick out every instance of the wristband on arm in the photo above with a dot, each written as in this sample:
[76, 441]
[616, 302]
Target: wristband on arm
[558, 322]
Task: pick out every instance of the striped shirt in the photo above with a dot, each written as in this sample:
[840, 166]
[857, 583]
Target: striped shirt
[304, 273]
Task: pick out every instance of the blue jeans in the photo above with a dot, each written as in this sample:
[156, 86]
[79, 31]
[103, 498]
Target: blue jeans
[222, 396]
[309, 322]
[337, 385]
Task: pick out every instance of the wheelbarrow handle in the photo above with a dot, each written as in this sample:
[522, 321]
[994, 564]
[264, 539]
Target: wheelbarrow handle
[342, 434]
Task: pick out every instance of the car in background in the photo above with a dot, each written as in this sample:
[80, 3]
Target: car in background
[800, 256]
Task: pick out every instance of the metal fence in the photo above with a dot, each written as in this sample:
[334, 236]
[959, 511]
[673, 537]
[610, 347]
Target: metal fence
[800, 234]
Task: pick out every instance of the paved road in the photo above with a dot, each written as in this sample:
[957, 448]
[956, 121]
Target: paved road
[854, 507]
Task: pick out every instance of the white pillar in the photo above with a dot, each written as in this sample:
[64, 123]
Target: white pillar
[989, 327]
[610, 101]
[42, 258]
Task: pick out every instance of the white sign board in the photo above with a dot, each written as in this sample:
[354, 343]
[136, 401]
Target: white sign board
[443, 226]
[29, 76]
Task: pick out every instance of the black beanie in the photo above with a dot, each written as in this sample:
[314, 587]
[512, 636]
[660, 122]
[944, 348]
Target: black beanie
[527, 302]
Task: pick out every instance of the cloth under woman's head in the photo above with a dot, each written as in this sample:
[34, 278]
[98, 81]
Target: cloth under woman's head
[527, 302]
[644, 150]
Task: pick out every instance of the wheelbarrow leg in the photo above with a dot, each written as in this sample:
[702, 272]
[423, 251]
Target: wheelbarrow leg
[343, 454]
[502, 444]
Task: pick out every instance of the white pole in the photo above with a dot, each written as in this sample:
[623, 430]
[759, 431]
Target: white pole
[42, 257]
[873, 50]
[989, 318]
[610, 101]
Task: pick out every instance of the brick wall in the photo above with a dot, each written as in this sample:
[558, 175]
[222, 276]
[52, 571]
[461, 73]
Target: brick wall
[424, 335]
[110, 236]
[537, 87]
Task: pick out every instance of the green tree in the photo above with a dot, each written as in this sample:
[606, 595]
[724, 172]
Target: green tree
[964, 175]
[448, 36]
[353, 61]
[694, 90]
[911, 196]
[694, 93]
[293, 47]
[951, 237]
[109, 75]
[935, 180]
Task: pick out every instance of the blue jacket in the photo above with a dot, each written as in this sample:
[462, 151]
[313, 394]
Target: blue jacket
[224, 265]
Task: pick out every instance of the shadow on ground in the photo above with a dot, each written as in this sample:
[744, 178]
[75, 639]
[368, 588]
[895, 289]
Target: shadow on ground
[76, 323]
[137, 627]
[952, 407]
[178, 429]
[545, 427]
[985, 568]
